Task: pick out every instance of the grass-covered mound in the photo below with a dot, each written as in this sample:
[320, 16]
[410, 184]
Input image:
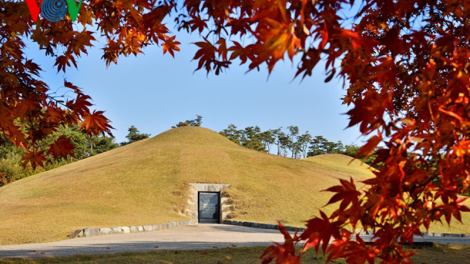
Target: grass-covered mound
[145, 183]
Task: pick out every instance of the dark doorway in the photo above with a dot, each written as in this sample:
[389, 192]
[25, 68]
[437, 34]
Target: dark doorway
[209, 207]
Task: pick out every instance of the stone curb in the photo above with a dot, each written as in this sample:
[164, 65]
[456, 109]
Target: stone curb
[262, 225]
[89, 232]
[292, 229]
[424, 234]
[444, 235]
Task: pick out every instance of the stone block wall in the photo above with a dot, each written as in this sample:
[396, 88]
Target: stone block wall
[195, 188]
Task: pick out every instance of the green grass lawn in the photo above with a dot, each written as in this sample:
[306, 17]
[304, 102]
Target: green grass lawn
[438, 254]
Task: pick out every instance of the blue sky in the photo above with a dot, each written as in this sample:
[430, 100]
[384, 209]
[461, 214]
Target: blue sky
[154, 91]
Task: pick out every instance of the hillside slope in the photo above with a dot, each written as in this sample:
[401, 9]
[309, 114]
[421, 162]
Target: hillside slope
[145, 183]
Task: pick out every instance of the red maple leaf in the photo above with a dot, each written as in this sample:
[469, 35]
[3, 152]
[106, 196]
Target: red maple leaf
[285, 251]
[319, 231]
[62, 148]
[346, 192]
[34, 157]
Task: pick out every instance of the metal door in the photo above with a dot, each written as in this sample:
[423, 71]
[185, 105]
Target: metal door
[209, 207]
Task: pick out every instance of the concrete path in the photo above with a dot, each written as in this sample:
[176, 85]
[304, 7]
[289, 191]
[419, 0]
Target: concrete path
[203, 236]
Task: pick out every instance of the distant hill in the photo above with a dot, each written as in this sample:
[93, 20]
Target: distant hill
[146, 183]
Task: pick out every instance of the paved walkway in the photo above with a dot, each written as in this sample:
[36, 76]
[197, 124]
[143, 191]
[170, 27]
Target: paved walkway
[203, 236]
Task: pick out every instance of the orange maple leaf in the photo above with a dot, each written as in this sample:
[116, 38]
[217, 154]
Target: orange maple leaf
[95, 123]
[170, 46]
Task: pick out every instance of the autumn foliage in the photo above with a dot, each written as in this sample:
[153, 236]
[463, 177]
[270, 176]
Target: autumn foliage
[30, 110]
[405, 65]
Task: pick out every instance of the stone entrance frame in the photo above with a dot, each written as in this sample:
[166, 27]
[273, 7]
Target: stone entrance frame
[195, 188]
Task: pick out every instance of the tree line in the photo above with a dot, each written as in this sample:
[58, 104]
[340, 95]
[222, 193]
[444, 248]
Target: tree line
[289, 142]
